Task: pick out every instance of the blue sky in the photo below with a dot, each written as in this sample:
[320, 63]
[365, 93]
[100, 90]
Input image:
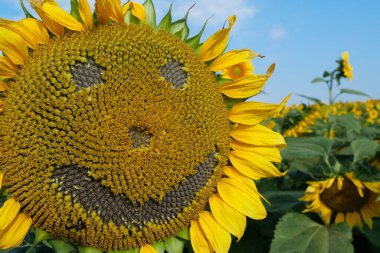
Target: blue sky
[303, 38]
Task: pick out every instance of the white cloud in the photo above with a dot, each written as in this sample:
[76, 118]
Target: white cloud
[278, 33]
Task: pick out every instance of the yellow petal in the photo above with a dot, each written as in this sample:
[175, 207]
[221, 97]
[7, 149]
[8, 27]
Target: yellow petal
[243, 197]
[8, 212]
[237, 175]
[253, 165]
[231, 58]
[37, 29]
[1, 180]
[218, 237]
[271, 153]
[20, 30]
[216, 44]
[63, 18]
[7, 68]
[247, 86]
[86, 13]
[229, 218]
[252, 113]
[367, 215]
[13, 45]
[53, 26]
[373, 186]
[109, 9]
[16, 232]
[198, 239]
[148, 249]
[339, 218]
[257, 135]
[3, 86]
[326, 214]
[137, 9]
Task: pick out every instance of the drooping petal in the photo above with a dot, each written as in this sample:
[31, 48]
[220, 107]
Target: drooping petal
[367, 215]
[52, 25]
[86, 13]
[137, 9]
[18, 28]
[247, 86]
[8, 212]
[243, 197]
[109, 9]
[253, 165]
[7, 68]
[231, 58]
[198, 239]
[272, 153]
[13, 45]
[60, 16]
[339, 218]
[229, 218]
[16, 232]
[37, 29]
[252, 113]
[373, 186]
[257, 135]
[218, 237]
[217, 43]
[148, 249]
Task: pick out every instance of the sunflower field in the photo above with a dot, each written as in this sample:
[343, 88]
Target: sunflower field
[120, 133]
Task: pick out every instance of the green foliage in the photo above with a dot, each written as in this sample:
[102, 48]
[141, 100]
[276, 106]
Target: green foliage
[297, 233]
[150, 11]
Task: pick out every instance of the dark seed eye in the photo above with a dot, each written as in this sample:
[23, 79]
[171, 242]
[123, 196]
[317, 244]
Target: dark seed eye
[86, 74]
[174, 74]
[140, 138]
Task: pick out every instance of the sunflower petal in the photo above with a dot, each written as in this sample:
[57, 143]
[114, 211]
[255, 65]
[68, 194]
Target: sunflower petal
[148, 249]
[1, 180]
[198, 239]
[53, 26]
[16, 232]
[18, 28]
[7, 68]
[253, 165]
[37, 29]
[217, 43]
[137, 9]
[218, 237]
[86, 13]
[109, 9]
[252, 113]
[243, 197]
[231, 58]
[229, 218]
[339, 218]
[247, 86]
[13, 45]
[272, 153]
[373, 186]
[8, 212]
[3, 86]
[257, 135]
[61, 17]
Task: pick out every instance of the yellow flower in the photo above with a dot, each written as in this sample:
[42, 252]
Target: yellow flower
[344, 199]
[347, 68]
[118, 136]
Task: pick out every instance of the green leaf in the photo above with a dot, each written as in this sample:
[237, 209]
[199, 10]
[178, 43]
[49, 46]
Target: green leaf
[318, 80]
[62, 247]
[230, 102]
[150, 11]
[135, 250]
[174, 245]
[180, 28]
[184, 233]
[363, 149]
[326, 74]
[353, 92]
[299, 234]
[193, 42]
[159, 246]
[373, 234]
[315, 100]
[75, 11]
[166, 21]
[282, 201]
[89, 250]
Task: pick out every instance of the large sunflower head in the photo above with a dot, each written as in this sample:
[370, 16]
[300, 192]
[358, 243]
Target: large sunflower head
[344, 199]
[117, 133]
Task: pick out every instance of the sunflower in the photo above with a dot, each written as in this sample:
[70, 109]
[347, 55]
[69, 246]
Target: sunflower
[344, 199]
[118, 133]
[346, 66]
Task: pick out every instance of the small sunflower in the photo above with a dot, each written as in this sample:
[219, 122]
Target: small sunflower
[344, 199]
[118, 133]
[346, 66]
